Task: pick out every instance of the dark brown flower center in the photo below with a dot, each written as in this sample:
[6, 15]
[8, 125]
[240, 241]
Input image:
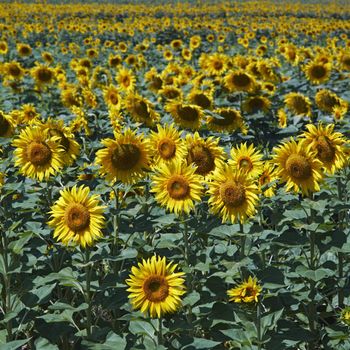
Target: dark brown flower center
[241, 80]
[113, 98]
[218, 65]
[203, 158]
[141, 109]
[14, 70]
[228, 117]
[318, 71]
[126, 156]
[202, 101]
[188, 113]
[39, 153]
[44, 75]
[166, 148]
[178, 187]
[156, 288]
[299, 167]
[232, 194]
[77, 217]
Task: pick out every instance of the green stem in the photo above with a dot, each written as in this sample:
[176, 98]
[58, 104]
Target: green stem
[186, 244]
[115, 229]
[160, 332]
[88, 271]
[341, 276]
[243, 239]
[258, 325]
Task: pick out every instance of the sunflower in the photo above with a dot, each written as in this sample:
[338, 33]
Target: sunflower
[215, 64]
[233, 196]
[141, 109]
[114, 60]
[3, 47]
[298, 104]
[77, 217]
[167, 145]
[205, 154]
[13, 70]
[155, 287]
[154, 80]
[201, 98]
[282, 118]
[327, 100]
[298, 166]
[125, 159]
[246, 292]
[112, 97]
[254, 104]
[345, 315]
[177, 187]
[344, 60]
[186, 115]
[28, 113]
[266, 178]
[7, 125]
[126, 80]
[24, 49]
[65, 139]
[328, 145]
[318, 72]
[246, 159]
[171, 93]
[42, 75]
[37, 154]
[227, 120]
[239, 81]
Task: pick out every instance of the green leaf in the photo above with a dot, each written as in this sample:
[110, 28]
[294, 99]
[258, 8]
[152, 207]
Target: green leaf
[14, 345]
[201, 343]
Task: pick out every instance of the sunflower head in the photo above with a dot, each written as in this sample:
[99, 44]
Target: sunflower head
[246, 292]
[140, 109]
[318, 72]
[298, 104]
[7, 125]
[239, 81]
[186, 115]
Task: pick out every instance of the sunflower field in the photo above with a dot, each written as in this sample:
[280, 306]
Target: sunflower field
[175, 175]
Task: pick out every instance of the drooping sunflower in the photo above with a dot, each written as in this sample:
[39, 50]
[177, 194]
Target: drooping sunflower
[177, 187]
[126, 158]
[141, 109]
[247, 159]
[167, 145]
[326, 100]
[298, 104]
[203, 99]
[65, 139]
[298, 166]
[205, 154]
[239, 81]
[77, 217]
[155, 287]
[318, 72]
[126, 80]
[254, 104]
[233, 196]
[112, 97]
[171, 93]
[246, 292]
[186, 115]
[7, 125]
[267, 178]
[229, 119]
[42, 75]
[37, 154]
[328, 145]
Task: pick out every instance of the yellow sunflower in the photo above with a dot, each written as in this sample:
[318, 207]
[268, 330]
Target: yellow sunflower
[65, 139]
[37, 154]
[205, 154]
[298, 166]
[233, 196]
[155, 287]
[239, 81]
[246, 292]
[327, 100]
[318, 72]
[254, 104]
[201, 98]
[42, 75]
[112, 97]
[177, 187]
[246, 159]
[266, 178]
[24, 49]
[167, 145]
[227, 120]
[29, 113]
[170, 93]
[344, 60]
[124, 159]
[141, 109]
[282, 118]
[13, 70]
[7, 125]
[298, 104]
[77, 217]
[126, 80]
[215, 64]
[186, 115]
[328, 145]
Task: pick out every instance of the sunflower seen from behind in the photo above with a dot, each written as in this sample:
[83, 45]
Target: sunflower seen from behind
[125, 159]
[298, 166]
[37, 154]
[155, 287]
[232, 195]
[177, 187]
[77, 217]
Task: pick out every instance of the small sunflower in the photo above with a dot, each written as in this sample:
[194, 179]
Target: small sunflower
[125, 159]
[112, 97]
[246, 292]
[282, 118]
[205, 154]
[254, 104]
[215, 64]
[42, 75]
[344, 60]
[37, 154]
[298, 104]
[246, 159]
[267, 177]
[24, 49]
[155, 287]
[77, 217]
[298, 166]
[177, 187]
[233, 196]
[126, 80]
[318, 72]
[167, 145]
[327, 100]
[328, 145]
[13, 70]
[239, 81]
[186, 115]
[227, 120]
[7, 125]
[171, 93]
[201, 98]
